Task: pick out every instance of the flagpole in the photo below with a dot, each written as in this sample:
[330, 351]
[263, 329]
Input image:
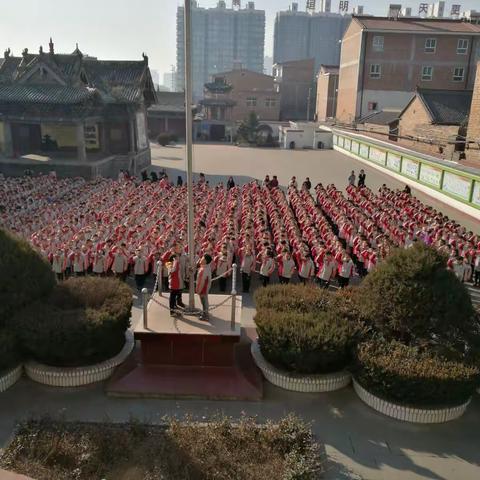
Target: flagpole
[189, 148]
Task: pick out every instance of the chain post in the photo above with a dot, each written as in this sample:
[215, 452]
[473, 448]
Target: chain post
[234, 296]
[145, 308]
[159, 278]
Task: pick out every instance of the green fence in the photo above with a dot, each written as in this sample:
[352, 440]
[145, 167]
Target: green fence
[458, 184]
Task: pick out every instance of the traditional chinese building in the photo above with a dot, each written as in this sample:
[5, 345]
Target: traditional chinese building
[73, 114]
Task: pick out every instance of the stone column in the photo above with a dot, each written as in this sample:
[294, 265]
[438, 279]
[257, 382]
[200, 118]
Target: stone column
[105, 147]
[166, 124]
[7, 139]
[81, 148]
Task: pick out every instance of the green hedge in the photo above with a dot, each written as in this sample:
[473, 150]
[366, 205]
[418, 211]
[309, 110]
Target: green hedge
[9, 352]
[308, 343]
[412, 376]
[411, 297]
[25, 277]
[82, 322]
[296, 298]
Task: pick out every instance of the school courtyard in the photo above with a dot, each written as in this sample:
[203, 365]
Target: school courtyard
[360, 443]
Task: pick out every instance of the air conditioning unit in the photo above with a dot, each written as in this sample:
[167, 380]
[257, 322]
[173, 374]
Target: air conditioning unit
[372, 106]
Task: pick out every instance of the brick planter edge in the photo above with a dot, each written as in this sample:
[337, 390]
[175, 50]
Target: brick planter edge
[10, 378]
[409, 414]
[299, 383]
[79, 376]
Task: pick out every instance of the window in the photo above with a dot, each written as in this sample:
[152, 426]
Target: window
[462, 46]
[375, 71]
[270, 102]
[378, 43]
[372, 106]
[427, 73]
[430, 45]
[458, 74]
[251, 101]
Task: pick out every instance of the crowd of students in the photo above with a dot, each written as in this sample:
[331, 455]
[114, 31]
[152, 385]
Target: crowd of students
[122, 227]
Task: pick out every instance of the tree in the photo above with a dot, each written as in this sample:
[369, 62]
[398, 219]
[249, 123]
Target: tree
[411, 297]
[248, 129]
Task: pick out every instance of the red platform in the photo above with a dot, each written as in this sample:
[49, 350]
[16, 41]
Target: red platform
[187, 358]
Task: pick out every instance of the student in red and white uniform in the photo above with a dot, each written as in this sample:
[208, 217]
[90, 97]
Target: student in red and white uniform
[306, 269]
[59, 264]
[204, 282]
[247, 268]
[327, 271]
[345, 271]
[286, 267]
[222, 266]
[267, 267]
[77, 260]
[99, 262]
[175, 282]
[120, 262]
[140, 268]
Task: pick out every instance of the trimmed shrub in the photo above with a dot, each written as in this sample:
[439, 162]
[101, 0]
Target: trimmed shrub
[164, 139]
[295, 298]
[412, 376]
[9, 353]
[82, 322]
[308, 343]
[25, 277]
[412, 297]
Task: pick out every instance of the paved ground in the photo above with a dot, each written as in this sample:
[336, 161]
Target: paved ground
[360, 443]
[245, 164]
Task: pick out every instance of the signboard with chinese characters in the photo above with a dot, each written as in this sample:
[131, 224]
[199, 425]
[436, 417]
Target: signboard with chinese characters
[378, 156]
[410, 168]
[423, 9]
[394, 161]
[355, 146]
[364, 150]
[141, 131]
[343, 6]
[91, 137]
[476, 193]
[431, 175]
[457, 185]
[455, 11]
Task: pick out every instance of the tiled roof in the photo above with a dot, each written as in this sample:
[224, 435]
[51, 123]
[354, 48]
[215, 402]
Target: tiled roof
[169, 102]
[332, 69]
[74, 79]
[447, 107]
[384, 117]
[418, 25]
[45, 94]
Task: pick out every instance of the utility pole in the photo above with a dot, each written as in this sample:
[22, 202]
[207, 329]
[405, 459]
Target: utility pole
[189, 150]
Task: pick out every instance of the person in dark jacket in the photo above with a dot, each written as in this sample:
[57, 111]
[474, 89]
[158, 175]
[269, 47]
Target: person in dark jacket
[230, 183]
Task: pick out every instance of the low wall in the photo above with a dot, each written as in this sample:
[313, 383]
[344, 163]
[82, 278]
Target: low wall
[458, 187]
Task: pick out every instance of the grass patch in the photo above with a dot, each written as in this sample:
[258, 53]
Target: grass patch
[49, 449]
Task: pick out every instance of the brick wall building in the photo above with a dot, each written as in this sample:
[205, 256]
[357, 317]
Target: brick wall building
[327, 89]
[384, 61]
[473, 133]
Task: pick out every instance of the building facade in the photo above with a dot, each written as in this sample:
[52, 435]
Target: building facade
[295, 81]
[73, 114]
[384, 61]
[231, 96]
[327, 91]
[300, 35]
[222, 38]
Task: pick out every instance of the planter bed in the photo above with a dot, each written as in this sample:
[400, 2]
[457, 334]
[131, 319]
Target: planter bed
[297, 382]
[78, 376]
[409, 414]
[10, 377]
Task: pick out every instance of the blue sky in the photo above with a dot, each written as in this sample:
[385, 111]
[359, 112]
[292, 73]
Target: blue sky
[123, 29]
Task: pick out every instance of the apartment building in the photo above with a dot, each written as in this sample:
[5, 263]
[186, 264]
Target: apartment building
[308, 34]
[384, 61]
[222, 38]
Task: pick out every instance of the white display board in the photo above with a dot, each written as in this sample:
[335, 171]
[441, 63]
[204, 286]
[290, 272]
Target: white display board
[355, 146]
[431, 175]
[476, 193]
[394, 161]
[457, 185]
[377, 156]
[348, 144]
[410, 168]
[364, 150]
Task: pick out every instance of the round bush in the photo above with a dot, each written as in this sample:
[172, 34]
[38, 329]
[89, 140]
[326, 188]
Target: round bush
[9, 352]
[25, 277]
[164, 139]
[413, 377]
[83, 322]
[412, 297]
[309, 343]
[296, 298]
